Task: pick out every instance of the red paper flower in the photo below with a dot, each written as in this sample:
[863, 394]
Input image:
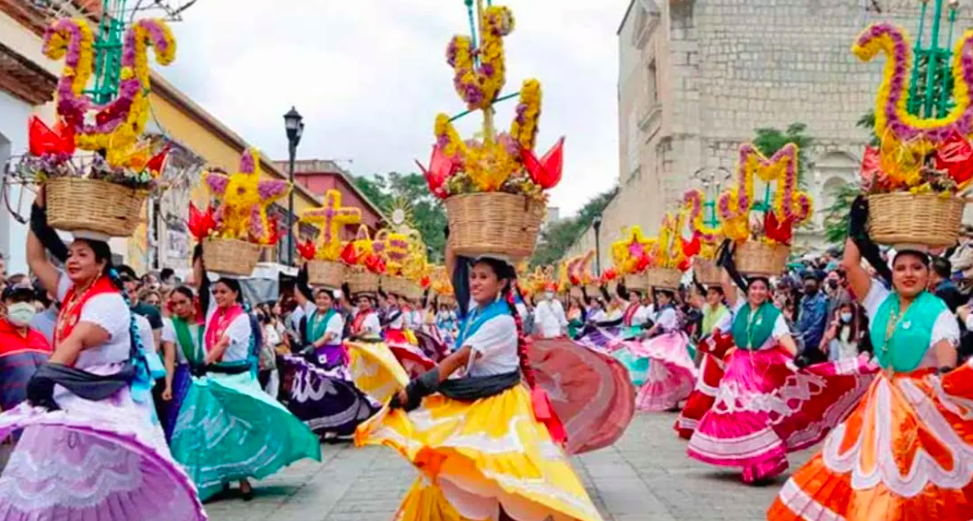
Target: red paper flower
[44, 141]
[273, 231]
[201, 224]
[779, 231]
[547, 172]
[643, 262]
[610, 275]
[691, 247]
[871, 166]
[307, 249]
[158, 162]
[440, 169]
[349, 254]
[955, 156]
[425, 282]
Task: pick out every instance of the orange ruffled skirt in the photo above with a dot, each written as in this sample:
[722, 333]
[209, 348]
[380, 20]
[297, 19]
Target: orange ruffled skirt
[906, 453]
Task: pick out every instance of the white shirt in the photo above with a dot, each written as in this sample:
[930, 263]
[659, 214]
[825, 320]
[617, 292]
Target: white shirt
[399, 321]
[668, 320]
[335, 326]
[597, 315]
[238, 332]
[550, 319]
[169, 335]
[144, 330]
[644, 315]
[109, 312]
[780, 325]
[371, 325]
[494, 347]
[944, 328]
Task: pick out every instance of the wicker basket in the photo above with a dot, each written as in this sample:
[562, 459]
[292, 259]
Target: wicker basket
[707, 272]
[325, 273]
[411, 290]
[231, 256]
[902, 217]
[494, 223]
[637, 282]
[361, 280]
[75, 204]
[760, 258]
[663, 278]
[393, 285]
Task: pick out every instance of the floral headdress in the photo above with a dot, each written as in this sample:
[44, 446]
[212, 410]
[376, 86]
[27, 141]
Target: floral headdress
[790, 206]
[243, 200]
[113, 130]
[498, 162]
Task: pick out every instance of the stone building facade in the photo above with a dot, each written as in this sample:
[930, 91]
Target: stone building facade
[697, 77]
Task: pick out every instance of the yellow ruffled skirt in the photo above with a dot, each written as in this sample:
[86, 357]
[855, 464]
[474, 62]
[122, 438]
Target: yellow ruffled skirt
[478, 457]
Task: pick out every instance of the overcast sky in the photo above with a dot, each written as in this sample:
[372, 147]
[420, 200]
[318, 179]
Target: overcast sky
[369, 77]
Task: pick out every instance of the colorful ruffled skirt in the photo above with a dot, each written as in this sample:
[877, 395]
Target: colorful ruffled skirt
[405, 347]
[431, 343]
[324, 398]
[476, 458]
[589, 391]
[765, 409]
[182, 380]
[672, 373]
[905, 453]
[229, 429]
[621, 342]
[104, 460]
[704, 394]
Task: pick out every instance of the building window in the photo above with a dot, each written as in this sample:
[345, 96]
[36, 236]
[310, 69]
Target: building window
[652, 84]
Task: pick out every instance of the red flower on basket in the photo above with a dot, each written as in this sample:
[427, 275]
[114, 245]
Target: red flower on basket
[349, 254]
[306, 249]
[425, 282]
[201, 224]
[273, 233]
[779, 231]
[441, 168]
[374, 263]
[609, 275]
[955, 156]
[644, 262]
[45, 141]
[546, 173]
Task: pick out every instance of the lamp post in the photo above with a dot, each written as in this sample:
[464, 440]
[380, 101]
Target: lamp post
[596, 224]
[294, 126]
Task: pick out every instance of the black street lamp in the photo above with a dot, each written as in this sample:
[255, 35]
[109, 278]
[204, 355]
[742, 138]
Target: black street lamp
[596, 224]
[294, 126]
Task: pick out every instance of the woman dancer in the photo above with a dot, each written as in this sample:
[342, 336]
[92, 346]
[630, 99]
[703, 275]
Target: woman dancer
[401, 339]
[714, 346]
[906, 452]
[671, 374]
[182, 334]
[484, 411]
[90, 414]
[229, 429]
[322, 394]
[763, 409]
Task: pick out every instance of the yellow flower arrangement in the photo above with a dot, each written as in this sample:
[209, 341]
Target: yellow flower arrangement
[524, 126]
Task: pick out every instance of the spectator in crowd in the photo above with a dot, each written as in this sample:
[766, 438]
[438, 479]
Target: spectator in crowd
[941, 284]
[812, 318]
[847, 335]
[22, 349]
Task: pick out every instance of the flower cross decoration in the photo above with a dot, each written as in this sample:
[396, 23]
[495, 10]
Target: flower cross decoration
[330, 219]
[245, 198]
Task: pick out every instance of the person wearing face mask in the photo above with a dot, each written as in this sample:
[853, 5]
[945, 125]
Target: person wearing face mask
[848, 330]
[22, 349]
[812, 318]
[549, 317]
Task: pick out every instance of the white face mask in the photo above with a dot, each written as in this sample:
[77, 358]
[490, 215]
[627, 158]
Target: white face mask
[549, 296]
[21, 313]
[846, 317]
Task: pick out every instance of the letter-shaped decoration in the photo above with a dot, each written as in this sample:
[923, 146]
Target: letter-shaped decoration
[479, 85]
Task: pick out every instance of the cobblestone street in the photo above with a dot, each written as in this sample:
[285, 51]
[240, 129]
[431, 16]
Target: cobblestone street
[646, 476]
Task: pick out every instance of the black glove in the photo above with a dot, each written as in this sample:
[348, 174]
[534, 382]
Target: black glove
[310, 355]
[802, 360]
[446, 231]
[858, 218]
[198, 251]
[943, 370]
[40, 393]
[724, 255]
[197, 370]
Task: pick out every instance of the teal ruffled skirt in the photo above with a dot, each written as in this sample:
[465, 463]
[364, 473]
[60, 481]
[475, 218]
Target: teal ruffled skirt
[228, 429]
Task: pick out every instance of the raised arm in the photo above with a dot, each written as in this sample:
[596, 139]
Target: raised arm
[729, 289]
[36, 253]
[858, 278]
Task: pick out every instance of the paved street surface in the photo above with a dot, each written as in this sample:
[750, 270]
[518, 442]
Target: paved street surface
[646, 476]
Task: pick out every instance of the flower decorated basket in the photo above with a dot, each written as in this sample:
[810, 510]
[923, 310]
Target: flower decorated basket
[493, 186]
[761, 258]
[231, 256]
[663, 278]
[360, 280]
[706, 271]
[75, 204]
[494, 223]
[325, 273]
[903, 217]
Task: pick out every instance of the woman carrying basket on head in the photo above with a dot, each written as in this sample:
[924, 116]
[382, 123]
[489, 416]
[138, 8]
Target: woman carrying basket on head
[906, 452]
[90, 412]
[476, 394]
[322, 394]
[228, 428]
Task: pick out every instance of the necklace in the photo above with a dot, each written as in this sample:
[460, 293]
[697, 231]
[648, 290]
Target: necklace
[890, 328]
[70, 306]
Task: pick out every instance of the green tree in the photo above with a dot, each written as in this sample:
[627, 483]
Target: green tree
[428, 214]
[836, 215]
[557, 237]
